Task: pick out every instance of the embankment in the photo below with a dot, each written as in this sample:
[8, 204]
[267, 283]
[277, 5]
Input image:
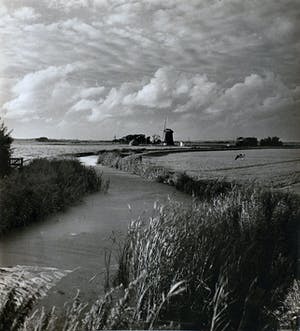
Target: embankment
[42, 188]
[134, 163]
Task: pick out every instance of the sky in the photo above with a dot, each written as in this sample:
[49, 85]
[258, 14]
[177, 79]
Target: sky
[92, 69]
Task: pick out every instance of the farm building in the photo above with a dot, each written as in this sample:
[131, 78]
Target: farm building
[246, 141]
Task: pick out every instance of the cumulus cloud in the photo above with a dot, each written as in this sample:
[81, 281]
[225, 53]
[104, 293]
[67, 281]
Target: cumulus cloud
[254, 98]
[26, 14]
[185, 96]
[173, 90]
[36, 92]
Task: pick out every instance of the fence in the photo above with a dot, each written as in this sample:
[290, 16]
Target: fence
[16, 162]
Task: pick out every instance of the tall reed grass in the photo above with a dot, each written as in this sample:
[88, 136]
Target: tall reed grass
[237, 257]
[44, 187]
[224, 264]
[226, 261]
[20, 288]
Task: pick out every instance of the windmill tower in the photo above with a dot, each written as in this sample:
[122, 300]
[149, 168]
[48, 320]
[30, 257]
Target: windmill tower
[168, 135]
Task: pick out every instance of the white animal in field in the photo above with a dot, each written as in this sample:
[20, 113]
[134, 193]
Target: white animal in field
[240, 156]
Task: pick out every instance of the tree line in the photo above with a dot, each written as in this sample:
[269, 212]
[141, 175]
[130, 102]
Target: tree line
[5, 150]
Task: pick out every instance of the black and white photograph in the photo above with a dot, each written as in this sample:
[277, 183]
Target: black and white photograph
[149, 165]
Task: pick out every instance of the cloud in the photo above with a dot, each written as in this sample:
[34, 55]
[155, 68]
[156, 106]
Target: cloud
[181, 95]
[26, 14]
[256, 96]
[91, 92]
[168, 91]
[83, 104]
[173, 90]
[36, 92]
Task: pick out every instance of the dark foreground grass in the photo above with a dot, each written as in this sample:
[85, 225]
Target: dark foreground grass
[236, 256]
[227, 263]
[44, 187]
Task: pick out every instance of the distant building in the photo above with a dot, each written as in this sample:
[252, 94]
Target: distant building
[42, 139]
[168, 137]
[246, 141]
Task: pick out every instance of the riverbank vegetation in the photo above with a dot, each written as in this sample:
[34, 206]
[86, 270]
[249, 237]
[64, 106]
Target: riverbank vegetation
[5, 150]
[225, 263]
[234, 256]
[203, 189]
[42, 188]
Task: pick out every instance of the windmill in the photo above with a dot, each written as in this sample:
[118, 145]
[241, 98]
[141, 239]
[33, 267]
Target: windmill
[168, 135]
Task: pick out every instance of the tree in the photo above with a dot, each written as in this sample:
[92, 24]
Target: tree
[5, 150]
[156, 139]
[270, 141]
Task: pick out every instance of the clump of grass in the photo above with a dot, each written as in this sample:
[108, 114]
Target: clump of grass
[236, 254]
[118, 309]
[203, 189]
[20, 287]
[289, 312]
[44, 187]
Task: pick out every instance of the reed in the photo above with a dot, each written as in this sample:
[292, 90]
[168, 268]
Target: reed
[224, 264]
[226, 261]
[236, 255]
[44, 187]
[204, 189]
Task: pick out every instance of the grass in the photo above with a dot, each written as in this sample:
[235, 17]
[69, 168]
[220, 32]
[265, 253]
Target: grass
[200, 188]
[20, 288]
[227, 263]
[236, 255]
[42, 188]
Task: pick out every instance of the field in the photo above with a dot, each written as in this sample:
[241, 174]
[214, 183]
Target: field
[272, 167]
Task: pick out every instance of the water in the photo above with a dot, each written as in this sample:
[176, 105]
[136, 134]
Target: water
[77, 239]
[29, 149]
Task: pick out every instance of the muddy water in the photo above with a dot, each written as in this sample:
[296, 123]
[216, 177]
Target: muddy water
[78, 238]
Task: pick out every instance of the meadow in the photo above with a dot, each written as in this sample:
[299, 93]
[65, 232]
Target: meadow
[271, 167]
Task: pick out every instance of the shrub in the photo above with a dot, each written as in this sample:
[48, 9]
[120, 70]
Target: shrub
[43, 187]
[5, 150]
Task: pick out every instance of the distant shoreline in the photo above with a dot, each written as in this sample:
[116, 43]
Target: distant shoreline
[165, 150]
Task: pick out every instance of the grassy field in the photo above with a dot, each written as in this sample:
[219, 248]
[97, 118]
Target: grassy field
[271, 167]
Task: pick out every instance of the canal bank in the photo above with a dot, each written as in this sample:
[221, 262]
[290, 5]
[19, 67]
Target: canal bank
[78, 239]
